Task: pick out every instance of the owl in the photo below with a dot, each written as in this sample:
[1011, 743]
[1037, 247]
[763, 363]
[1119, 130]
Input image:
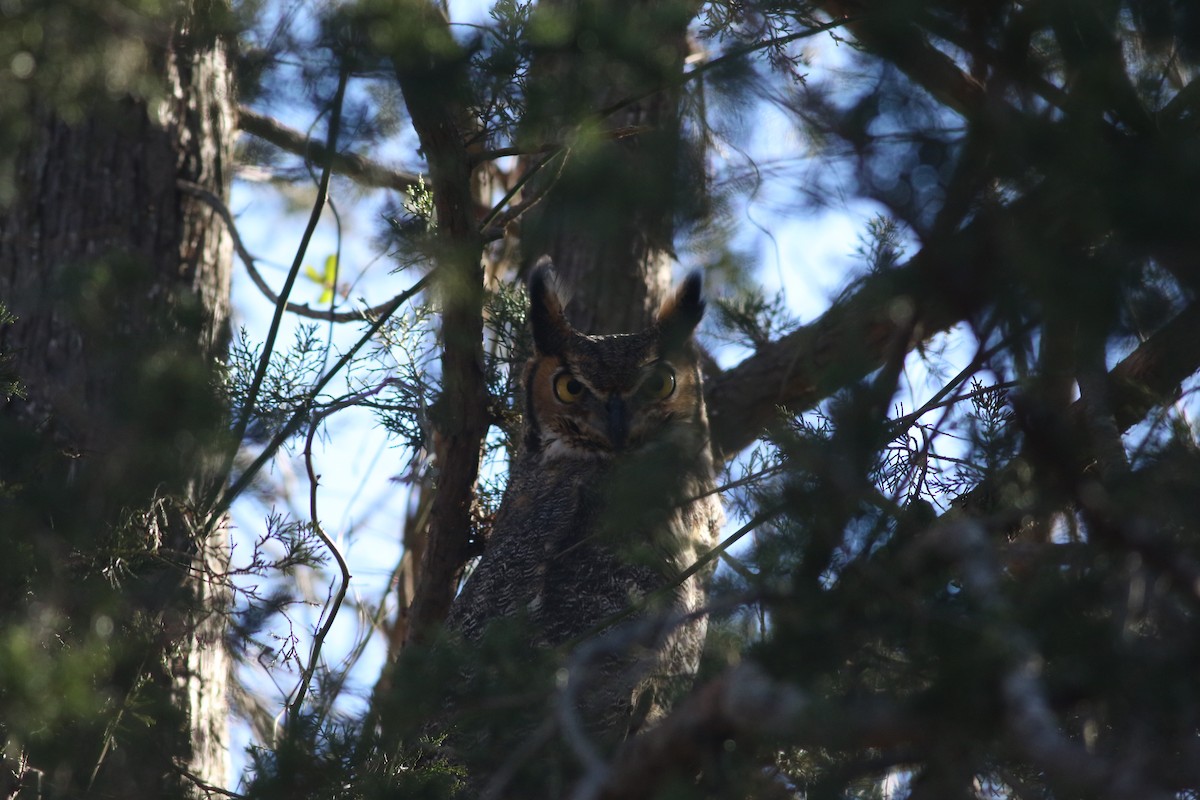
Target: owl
[611, 497]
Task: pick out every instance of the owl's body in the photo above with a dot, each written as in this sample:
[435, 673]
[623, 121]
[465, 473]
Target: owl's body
[610, 498]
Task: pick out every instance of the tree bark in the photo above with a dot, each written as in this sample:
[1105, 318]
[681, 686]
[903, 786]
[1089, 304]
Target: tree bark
[120, 282]
[613, 258]
[434, 89]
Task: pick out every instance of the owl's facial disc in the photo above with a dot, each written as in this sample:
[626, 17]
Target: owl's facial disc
[621, 417]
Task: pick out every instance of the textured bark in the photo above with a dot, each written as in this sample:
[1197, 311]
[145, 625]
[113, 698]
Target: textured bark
[613, 259]
[848, 342]
[619, 281]
[434, 90]
[120, 282]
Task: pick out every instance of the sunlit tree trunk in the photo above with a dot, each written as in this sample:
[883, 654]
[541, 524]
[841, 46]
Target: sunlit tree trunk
[118, 272]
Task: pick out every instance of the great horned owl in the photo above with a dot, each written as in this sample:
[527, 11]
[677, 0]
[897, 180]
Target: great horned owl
[610, 498]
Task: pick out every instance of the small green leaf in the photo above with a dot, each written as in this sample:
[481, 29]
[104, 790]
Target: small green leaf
[326, 279]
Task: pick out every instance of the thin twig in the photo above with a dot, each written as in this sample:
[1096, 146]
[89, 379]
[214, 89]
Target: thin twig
[486, 227]
[939, 398]
[744, 702]
[204, 786]
[700, 563]
[260, 374]
[301, 413]
[1030, 722]
[313, 482]
[643, 635]
[319, 639]
[503, 776]
[303, 310]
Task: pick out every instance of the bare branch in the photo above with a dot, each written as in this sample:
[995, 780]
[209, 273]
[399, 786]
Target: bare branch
[303, 310]
[314, 480]
[357, 168]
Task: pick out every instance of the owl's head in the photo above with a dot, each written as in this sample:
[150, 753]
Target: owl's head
[598, 396]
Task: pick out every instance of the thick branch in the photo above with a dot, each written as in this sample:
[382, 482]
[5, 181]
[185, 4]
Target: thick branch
[940, 286]
[895, 39]
[360, 170]
[434, 89]
[848, 342]
[1151, 374]
[951, 279]
[1148, 377]
[744, 703]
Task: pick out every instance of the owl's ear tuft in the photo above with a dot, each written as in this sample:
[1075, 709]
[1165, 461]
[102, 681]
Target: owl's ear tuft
[551, 331]
[681, 313]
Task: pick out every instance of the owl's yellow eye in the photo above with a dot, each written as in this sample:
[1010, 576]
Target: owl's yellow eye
[659, 384]
[567, 388]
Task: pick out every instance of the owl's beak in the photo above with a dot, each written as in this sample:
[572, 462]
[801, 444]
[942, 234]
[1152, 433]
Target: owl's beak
[618, 421]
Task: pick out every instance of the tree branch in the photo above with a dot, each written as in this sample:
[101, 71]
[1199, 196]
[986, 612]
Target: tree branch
[846, 343]
[247, 411]
[1149, 376]
[301, 414]
[895, 39]
[435, 91]
[1031, 725]
[948, 281]
[743, 703]
[357, 168]
[251, 264]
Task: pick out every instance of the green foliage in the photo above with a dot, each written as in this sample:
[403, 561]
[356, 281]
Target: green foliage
[754, 318]
[48, 684]
[418, 203]
[64, 52]
[96, 549]
[408, 353]
[509, 347]
[327, 278]
[286, 385]
[882, 246]
[500, 70]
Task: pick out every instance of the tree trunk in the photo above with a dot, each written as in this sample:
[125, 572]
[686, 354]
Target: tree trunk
[613, 257]
[120, 282]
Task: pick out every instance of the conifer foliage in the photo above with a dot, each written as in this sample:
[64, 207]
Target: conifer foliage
[962, 556]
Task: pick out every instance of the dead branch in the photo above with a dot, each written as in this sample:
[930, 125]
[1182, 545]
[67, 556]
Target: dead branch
[357, 168]
[251, 264]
